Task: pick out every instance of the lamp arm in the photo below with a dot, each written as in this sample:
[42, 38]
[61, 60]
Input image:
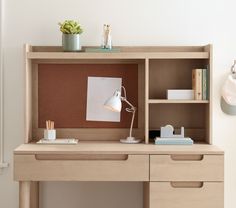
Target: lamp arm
[125, 100]
[132, 110]
[132, 122]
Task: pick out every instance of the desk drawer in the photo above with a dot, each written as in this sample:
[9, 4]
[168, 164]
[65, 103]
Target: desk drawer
[81, 167]
[186, 195]
[186, 167]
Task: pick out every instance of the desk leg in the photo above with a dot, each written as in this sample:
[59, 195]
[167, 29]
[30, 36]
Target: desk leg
[146, 195]
[24, 194]
[34, 194]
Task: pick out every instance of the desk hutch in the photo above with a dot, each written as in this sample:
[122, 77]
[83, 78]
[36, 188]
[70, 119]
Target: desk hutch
[172, 176]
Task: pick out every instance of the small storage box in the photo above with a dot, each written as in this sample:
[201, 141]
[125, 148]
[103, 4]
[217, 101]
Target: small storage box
[180, 94]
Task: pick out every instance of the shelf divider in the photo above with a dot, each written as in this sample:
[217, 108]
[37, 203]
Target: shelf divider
[159, 101]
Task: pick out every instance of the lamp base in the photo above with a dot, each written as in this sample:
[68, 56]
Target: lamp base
[130, 140]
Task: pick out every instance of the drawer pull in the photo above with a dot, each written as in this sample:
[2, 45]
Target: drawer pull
[187, 157]
[186, 184]
[89, 157]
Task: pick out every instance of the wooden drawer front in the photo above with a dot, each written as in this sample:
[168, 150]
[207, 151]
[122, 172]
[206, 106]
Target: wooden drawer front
[186, 167]
[81, 167]
[186, 195]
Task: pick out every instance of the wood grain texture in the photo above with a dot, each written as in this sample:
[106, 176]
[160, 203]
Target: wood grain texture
[194, 115]
[164, 195]
[185, 176]
[92, 134]
[146, 194]
[171, 74]
[105, 147]
[209, 114]
[146, 101]
[173, 63]
[119, 55]
[141, 100]
[168, 168]
[165, 101]
[99, 157]
[130, 48]
[24, 194]
[135, 168]
[191, 116]
[34, 194]
[28, 95]
[35, 112]
[126, 52]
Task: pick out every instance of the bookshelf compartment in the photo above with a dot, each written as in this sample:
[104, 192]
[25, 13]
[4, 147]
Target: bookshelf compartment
[159, 68]
[59, 85]
[193, 117]
[167, 74]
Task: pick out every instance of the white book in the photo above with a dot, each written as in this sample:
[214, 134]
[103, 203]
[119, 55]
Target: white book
[180, 94]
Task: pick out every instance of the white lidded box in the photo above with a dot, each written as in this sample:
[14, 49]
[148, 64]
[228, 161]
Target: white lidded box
[180, 94]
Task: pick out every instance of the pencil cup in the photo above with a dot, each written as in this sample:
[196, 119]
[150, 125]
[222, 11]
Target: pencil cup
[50, 134]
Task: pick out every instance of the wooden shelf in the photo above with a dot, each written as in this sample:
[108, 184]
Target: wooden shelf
[158, 101]
[118, 55]
[159, 68]
[176, 73]
[178, 55]
[82, 55]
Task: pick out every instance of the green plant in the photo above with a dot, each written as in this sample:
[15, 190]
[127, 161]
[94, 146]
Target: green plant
[70, 27]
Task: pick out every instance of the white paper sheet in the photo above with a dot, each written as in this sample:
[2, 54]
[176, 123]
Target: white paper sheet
[99, 90]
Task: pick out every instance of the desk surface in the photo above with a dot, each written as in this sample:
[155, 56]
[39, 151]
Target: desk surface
[93, 147]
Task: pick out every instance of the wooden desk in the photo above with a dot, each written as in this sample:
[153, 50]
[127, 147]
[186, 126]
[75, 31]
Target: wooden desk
[167, 171]
[173, 176]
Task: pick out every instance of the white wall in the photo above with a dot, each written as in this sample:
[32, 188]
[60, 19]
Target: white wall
[134, 22]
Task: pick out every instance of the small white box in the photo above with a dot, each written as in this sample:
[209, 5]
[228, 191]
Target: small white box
[58, 141]
[50, 134]
[180, 94]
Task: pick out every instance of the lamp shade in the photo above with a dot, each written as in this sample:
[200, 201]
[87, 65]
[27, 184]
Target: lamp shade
[114, 102]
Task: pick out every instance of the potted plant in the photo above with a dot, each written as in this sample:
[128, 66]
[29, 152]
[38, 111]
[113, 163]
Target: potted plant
[71, 31]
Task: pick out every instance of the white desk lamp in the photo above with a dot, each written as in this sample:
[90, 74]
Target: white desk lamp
[114, 104]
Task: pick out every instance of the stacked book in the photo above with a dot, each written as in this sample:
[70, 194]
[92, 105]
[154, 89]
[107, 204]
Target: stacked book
[173, 141]
[200, 84]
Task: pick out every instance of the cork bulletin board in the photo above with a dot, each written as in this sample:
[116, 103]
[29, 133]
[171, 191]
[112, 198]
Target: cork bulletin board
[62, 93]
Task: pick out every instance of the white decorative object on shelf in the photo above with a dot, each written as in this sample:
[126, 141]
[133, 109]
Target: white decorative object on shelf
[180, 94]
[49, 134]
[106, 39]
[168, 132]
[58, 141]
[169, 138]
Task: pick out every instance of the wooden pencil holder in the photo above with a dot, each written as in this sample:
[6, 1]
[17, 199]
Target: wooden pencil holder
[50, 134]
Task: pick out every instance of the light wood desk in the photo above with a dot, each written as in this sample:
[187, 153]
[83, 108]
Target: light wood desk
[173, 176]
